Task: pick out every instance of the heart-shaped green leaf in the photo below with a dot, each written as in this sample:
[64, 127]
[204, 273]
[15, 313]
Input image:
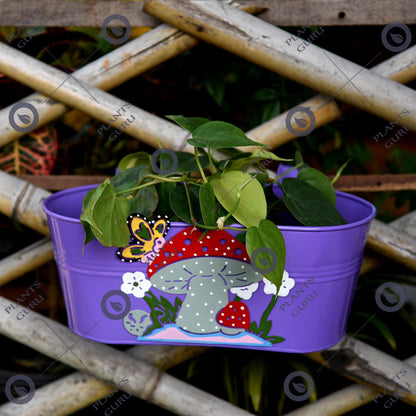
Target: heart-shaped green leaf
[318, 180]
[252, 206]
[106, 214]
[134, 159]
[189, 123]
[267, 244]
[219, 134]
[308, 205]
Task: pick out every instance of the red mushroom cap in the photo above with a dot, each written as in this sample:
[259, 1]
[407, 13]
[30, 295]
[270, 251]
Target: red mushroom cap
[234, 315]
[186, 245]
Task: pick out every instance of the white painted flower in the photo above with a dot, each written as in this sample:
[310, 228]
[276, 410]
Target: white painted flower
[245, 292]
[287, 284]
[136, 284]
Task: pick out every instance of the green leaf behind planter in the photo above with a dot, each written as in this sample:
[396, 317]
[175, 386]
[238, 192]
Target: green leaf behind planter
[252, 207]
[308, 205]
[219, 134]
[144, 202]
[267, 235]
[208, 204]
[129, 177]
[318, 180]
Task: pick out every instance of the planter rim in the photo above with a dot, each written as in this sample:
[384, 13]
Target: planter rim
[298, 228]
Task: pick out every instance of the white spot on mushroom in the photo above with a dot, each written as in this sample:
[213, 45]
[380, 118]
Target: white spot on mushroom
[213, 280]
[213, 270]
[197, 313]
[208, 236]
[232, 241]
[192, 294]
[216, 248]
[244, 323]
[180, 316]
[245, 258]
[198, 324]
[244, 314]
[202, 330]
[210, 262]
[232, 324]
[211, 293]
[171, 271]
[184, 327]
[183, 249]
[231, 281]
[216, 327]
[194, 254]
[211, 311]
[200, 271]
[185, 233]
[220, 301]
[228, 248]
[196, 262]
[243, 267]
[231, 306]
[150, 270]
[211, 320]
[187, 305]
[205, 304]
[163, 287]
[242, 308]
[224, 254]
[221, 321]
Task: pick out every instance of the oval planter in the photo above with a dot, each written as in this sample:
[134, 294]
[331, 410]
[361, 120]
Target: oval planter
[204, 291]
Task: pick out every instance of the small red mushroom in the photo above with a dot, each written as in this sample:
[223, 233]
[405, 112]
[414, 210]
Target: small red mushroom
[235, 318]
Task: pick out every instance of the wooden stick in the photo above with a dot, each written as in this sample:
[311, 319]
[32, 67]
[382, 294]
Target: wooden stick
[108, 364]
[79, 390]
[268, 46]
[344, 400]
[25, 260]
[365, 364]
[22, 201]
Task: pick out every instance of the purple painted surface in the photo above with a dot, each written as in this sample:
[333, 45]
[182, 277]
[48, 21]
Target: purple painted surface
[323, 261]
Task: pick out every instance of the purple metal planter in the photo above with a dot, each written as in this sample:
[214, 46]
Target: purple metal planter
[114, 301]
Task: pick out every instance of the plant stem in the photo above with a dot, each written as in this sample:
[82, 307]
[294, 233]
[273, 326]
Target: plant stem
[211, 162]
[214, 227]
[189, 200]
[158, 179]
[290, 170]
[199, 166]
[237, 202]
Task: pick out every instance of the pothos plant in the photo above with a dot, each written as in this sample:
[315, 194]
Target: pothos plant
[212, 188]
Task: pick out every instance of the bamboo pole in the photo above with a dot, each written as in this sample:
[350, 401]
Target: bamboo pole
[110, 365]
[23, 202]
[25, 260]
[342, 401]
[400, 68]
[266, 45]
[79, 390]
[395, 244]
[127, 61]
[109, 71]
[112, 111]
[365, 364]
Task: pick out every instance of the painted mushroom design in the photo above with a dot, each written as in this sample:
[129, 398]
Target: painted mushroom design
[204, 269]
[235, 317]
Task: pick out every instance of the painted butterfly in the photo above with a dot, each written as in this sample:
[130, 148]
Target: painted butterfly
[147, 238]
